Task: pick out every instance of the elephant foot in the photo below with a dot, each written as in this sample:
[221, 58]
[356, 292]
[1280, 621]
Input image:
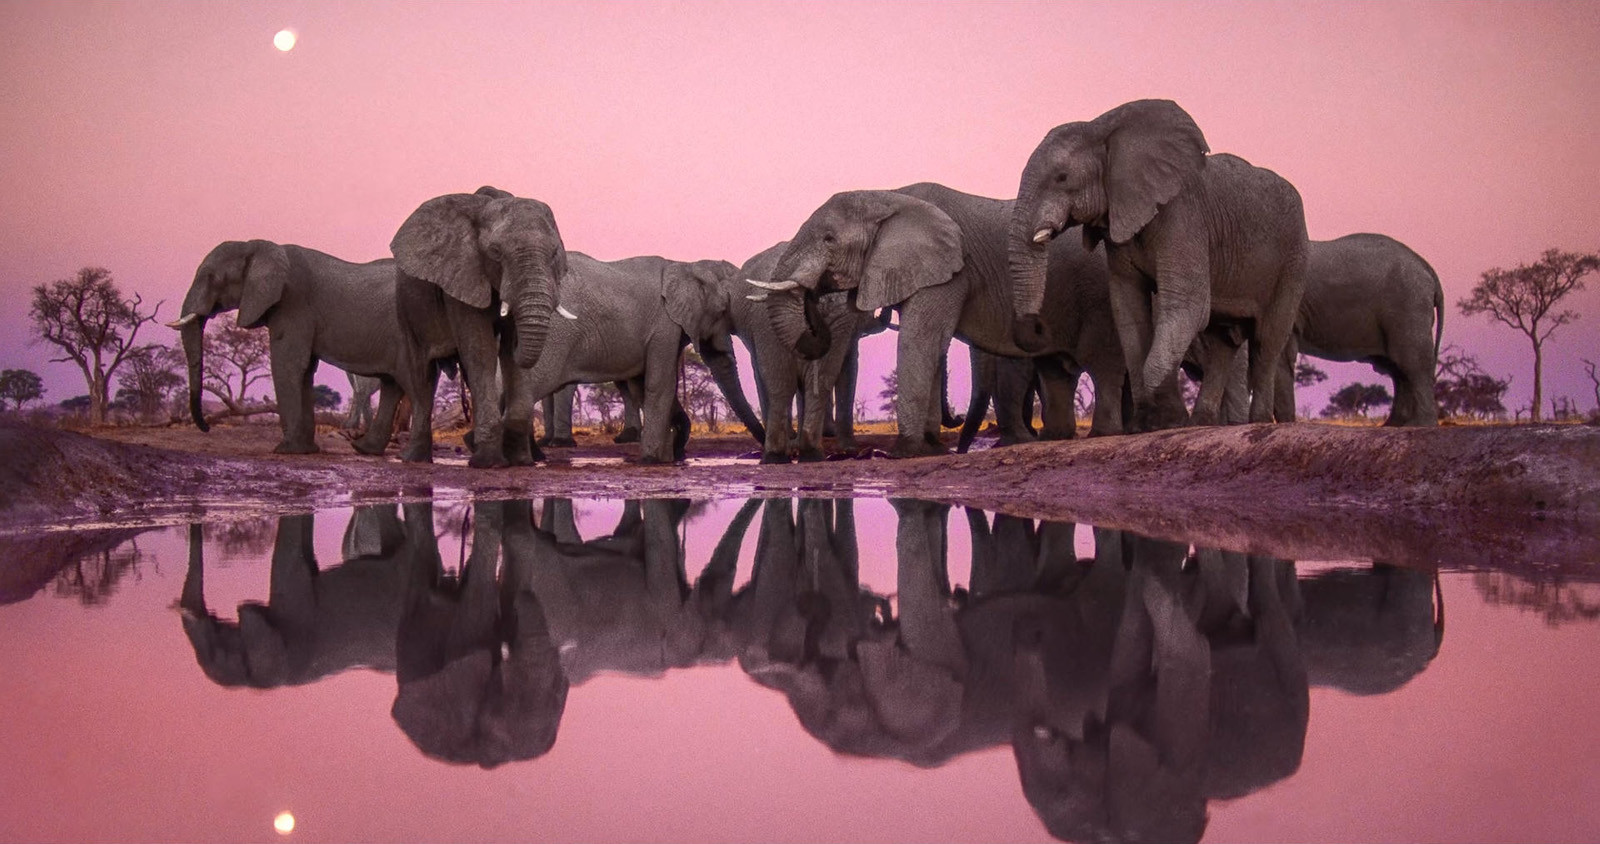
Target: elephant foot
[1008, 438]
[628, 435]
[520, 449]
[654, 460]
[559, 442]
[470, 440]
[774, 457]
[917, 447]
[365, 445]
[480, 460]
[1053, 436]
[810, 454]
[287, 447]
[417, 453]
[847, 444]
[542, 441]
[1155, 420]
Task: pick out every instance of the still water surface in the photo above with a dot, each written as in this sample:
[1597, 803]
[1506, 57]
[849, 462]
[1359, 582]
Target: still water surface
[787, 670]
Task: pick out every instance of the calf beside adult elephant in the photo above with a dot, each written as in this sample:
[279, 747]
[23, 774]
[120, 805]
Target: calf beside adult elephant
[938, 256]
[1227, 250]
[316, 308]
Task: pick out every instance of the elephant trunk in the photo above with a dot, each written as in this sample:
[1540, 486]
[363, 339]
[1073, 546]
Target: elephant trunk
[725, 371]
[798, 324]
[194, 351]
[532, 302]
[1027, 258]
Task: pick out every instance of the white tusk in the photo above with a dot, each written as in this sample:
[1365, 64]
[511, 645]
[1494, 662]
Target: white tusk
[183, 320]
[561, 309]
[758, 297]
[1043, 236]
[774, 285]
[505, 309]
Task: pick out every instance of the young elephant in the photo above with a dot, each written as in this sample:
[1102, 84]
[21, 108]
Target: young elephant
[316, 308]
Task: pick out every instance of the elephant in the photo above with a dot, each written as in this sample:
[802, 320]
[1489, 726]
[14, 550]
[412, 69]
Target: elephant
[1226, 252]
[935, 255]
[633, 316]
[478, 277]
[1370, 631]
[556, 410]
[1014, 384]
[479, 678]
[316, 622]
[315, 308]
[825, 386]
[362, 389]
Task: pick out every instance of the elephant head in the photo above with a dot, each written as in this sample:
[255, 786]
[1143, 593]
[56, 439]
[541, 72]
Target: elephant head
[878, 246]
[1369, 631]
[1110, 175]
[698, 297]
[487, 247]
[237, 274]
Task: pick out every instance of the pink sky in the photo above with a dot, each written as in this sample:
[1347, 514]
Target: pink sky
[137, 136]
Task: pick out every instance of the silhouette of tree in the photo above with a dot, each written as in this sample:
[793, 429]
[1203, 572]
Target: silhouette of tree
[236, 358]
[154, 373]
[87, 318]
[1462, 388]
[20, 386]
[891, 389]
[699, 393]
[325, 398]
[1525, 298]
[1590, 368]
[1356, 399]
[606, 400]
[1307, 374]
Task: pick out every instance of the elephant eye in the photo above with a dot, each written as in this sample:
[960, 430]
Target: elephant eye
[828, 238]
[1061, 178]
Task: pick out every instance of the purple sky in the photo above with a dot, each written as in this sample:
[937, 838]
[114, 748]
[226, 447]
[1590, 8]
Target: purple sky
[138, 135]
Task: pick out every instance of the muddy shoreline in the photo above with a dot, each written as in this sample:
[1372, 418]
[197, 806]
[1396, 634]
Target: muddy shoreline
[1459, 496]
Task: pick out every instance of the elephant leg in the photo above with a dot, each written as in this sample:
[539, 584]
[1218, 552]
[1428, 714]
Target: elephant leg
[660, 394]
[1283, 388]
[1272, 332]
[376, 438]
[1219, 352]
[927, 324]
[558, 418]
[518, 445]
[815, 406]
[1059, 382]
[291, 380]
[419, 446]
[478, 365]
[632, 396]
[1108, 378]
[844, 399]
[1132, 312]
[1414, 388]
[983, 376]
[779, 408]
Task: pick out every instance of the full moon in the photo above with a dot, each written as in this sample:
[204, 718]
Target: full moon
[284, 822]
[284, 40]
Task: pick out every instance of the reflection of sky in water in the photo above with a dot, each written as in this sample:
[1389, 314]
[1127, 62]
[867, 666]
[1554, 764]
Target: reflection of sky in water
[114, 732]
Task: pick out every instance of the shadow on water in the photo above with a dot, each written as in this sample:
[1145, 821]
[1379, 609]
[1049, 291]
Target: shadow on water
[1132, 686]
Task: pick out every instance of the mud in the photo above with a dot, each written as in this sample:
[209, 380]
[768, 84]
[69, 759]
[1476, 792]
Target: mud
[1460, 496]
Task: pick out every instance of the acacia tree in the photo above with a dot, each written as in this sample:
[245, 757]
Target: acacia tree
[236, 358]
[606, 400]
[1462, 388]
[1306, 373]
[20, 386]
[152, 376]
[87, 318]
[1525, 298]
[1356, 399]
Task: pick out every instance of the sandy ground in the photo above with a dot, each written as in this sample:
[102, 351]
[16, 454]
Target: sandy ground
[1472, 496]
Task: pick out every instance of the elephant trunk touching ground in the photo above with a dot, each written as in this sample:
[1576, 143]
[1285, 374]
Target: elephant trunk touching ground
[725, 371]
[191, 323]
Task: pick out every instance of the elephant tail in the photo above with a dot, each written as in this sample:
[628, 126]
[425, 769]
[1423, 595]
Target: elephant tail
[1438, 313]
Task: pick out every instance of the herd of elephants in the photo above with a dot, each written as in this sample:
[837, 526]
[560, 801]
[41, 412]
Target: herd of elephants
[1183, 260]
[1133, 685]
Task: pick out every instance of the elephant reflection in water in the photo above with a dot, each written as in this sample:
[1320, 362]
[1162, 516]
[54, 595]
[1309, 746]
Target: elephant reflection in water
[1134, 687]
[479, 679]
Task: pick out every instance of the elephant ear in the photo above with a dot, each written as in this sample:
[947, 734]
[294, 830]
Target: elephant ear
[439, 243]
[1153, 148]
[266, 272]
[685, 297]
[916, 246]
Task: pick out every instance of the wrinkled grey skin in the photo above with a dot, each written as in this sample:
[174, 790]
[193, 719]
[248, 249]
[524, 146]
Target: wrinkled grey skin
[315, 308]
[1227, 250]
[824, 386]
[362, 389]
[459, 257]
[939, 257]
[556, 410]
[316, 622]
[479, 679]
[614, 603]
[633, 316]
[1013, 384]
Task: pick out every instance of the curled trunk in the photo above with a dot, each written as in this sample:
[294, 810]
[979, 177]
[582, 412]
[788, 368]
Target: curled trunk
[531, 306]
[798, 325]
[1026, 262]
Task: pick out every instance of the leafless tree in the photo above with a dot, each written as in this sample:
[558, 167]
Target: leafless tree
[236, 359]
[699, 394]
[1590, 369]
[87, 318]
[153, 374]
[1525, 298]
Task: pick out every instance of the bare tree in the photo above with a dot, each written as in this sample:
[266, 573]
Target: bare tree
[20, 386]
[606, 400]
[87, 318]
[1590, 368]
[153, 374]
[1525, 298]
[236, 359]
[891, 389]
[699, 394]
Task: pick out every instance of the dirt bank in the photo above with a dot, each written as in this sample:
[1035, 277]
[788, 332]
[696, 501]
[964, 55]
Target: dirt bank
[1457, 495]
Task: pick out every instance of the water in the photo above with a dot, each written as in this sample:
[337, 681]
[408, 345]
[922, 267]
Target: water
[782, 670]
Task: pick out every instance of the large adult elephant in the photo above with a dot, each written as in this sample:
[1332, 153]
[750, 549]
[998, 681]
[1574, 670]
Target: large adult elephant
[315, 307]
[633, 317]
[1226, 251]
[937, 256]
[479, 276]
[825, 385]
